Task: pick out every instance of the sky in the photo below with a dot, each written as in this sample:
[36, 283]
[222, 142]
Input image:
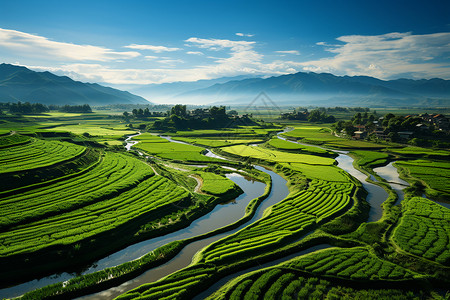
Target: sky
[133, 43]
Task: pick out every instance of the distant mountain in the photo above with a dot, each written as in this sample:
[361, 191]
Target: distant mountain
[21, 84]
[327, 89]
[166, 91]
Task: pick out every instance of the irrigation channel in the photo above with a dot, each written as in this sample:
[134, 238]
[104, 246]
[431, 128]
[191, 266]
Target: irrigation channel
[222, 215]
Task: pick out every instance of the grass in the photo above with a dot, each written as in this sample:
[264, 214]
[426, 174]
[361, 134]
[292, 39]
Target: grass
[157, 146]
[216, 184]
[93, 130]
[419, 151]
[323, 136]
[327, 173]
[217, 142]
[289, 146]
[371, 159]
[276, 156]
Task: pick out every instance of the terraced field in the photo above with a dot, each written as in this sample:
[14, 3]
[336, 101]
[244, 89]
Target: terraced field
[354, 263]
[424, 230]
[281, 224]
[289, 281]
[35, 154]
[435, 174]
[80, 207]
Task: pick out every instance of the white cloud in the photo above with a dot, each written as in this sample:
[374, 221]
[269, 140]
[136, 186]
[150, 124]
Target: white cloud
[387, 56]
[157, 49]
[195, 53]
[30, 45]
[244, 34]
[383, 56]
[294, 52]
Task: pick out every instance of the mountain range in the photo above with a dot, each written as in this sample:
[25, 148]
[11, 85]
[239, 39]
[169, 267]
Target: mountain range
[21, 84]
[300, 89]
[329, 90]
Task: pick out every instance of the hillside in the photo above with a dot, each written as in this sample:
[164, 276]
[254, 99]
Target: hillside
[21, 84]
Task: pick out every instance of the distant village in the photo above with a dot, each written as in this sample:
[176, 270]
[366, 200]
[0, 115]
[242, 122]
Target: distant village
[424, 123]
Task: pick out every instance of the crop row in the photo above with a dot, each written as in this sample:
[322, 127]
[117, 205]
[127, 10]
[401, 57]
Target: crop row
[280, 282]
[114, 174]
[435, 174]
[101, 216]
[13, 139]
[354, 263]
[36, 154]
[174, 286]
[424, 230]
[323, 199]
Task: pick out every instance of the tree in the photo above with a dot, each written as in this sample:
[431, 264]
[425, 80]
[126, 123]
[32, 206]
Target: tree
[178, 110]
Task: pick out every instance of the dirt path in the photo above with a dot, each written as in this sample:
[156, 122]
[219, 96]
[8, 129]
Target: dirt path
[198, 188]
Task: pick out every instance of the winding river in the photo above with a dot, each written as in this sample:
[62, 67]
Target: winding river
[219, 217]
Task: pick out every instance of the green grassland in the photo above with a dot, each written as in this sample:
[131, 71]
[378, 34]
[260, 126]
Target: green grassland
[157, 146]
[371, 159]
[322, 136]
[419, 151]
[216, 184]
[213, 142]
[327, 173]
[243, 132]
[288, 146]
[275, 156]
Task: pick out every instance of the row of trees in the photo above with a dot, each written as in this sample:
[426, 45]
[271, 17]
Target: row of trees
[72, 108]
[24, 108]
[316, 115]
[37, 108]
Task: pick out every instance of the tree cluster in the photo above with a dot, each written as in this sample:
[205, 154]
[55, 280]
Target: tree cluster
[24, 108]
[180, 118]
[85, 108]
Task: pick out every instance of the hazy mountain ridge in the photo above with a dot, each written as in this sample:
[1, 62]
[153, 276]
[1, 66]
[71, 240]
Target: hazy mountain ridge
[168, 90]
[22, 84]
[328, 89]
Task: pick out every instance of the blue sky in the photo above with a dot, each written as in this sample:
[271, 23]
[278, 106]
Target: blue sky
[123, 43]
